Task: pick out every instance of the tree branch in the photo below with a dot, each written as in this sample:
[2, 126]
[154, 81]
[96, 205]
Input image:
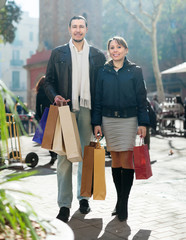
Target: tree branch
[144, 12]
[157, 11]
[139, 21]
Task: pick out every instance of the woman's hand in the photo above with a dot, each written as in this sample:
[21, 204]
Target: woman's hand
[97, 130]
[60, 101]
[142, 131]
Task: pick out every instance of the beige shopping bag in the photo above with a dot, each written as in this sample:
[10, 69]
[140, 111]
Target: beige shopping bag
[48, 135]
[58, 142]
[70, 134]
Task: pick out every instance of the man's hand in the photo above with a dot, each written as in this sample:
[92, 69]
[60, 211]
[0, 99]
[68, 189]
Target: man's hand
[98, 132]
[142, 131]
[60, 101]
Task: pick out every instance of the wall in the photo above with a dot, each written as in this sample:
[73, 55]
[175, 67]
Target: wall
[13, 56]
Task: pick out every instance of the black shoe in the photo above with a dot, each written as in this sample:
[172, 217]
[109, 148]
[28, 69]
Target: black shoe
[63, 214]
[114, 212]
[84, 206]
[52, 161]
[116, 209]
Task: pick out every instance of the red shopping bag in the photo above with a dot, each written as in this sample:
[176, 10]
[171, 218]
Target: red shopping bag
[142, 164]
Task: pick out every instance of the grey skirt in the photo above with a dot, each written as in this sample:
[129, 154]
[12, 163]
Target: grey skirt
[120, 133]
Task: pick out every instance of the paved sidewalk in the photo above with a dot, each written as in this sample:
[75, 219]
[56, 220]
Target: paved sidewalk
[157, 206]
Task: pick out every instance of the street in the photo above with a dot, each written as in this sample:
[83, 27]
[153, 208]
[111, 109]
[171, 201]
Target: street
[157, 206]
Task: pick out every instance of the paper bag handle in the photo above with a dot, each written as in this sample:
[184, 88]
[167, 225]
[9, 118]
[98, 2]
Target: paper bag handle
[98, 145]
[141, 141]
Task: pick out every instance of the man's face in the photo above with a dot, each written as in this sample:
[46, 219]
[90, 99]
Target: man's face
[78, 30]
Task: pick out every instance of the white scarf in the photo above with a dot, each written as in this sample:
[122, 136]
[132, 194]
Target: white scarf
[85, 100]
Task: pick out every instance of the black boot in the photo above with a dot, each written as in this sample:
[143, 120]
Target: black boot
[116, 174]
[127, 177]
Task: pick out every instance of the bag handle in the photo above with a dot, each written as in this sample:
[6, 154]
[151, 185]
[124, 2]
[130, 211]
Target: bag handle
[62, 104]
[141, 141]
[98, 145]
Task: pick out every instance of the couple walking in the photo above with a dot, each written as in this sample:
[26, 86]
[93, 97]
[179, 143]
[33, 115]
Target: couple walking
[110, 96]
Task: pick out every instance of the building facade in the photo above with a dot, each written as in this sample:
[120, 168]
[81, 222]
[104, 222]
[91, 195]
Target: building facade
[13, 56]
[55, 16]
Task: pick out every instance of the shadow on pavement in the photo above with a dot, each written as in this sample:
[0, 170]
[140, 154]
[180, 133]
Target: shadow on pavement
[142, 234]
[46, 169]
[43, 170]
[121, 230]
[116, 230]
[85, 228]
[173, 147]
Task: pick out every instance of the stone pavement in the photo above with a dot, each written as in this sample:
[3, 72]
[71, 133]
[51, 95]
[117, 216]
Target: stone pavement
[157, 206]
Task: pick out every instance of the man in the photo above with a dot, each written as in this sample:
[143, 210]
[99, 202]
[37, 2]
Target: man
[70, 79]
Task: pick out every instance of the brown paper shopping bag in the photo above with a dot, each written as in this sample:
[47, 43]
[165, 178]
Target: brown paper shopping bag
[58, 142]
[99, 187]
[70, 134]
[50, 127]
[87, 172]
[93, 172]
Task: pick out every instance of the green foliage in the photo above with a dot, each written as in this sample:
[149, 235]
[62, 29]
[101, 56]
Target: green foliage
[16, 214]
[9, 16]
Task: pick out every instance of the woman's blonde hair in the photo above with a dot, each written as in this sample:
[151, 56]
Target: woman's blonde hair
[119, 40]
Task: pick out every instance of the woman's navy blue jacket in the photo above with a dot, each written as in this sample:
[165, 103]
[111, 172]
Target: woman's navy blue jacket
[120, 93]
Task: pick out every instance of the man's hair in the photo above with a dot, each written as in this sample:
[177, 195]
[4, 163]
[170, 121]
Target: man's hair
[119, 40]
[77, 17]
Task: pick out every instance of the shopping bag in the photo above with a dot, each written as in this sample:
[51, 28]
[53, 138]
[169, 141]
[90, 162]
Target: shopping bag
[50, 128]
[87, 171]
[93, 172]
[58, 142]
[70, 134]
[99, 187]
[38, 136]
[142, 164]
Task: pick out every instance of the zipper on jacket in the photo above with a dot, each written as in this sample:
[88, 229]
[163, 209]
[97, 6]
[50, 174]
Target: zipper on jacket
[118, 88]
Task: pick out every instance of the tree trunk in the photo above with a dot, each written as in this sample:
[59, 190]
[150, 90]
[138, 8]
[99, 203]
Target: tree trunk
[152, 33]
[159, 84]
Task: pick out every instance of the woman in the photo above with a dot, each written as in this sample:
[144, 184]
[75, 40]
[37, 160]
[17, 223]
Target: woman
[120, 107]
[41, 103]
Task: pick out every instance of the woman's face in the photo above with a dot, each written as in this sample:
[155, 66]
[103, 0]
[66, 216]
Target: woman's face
[117, 52]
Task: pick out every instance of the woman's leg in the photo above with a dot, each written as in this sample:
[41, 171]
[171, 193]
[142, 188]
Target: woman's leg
[127, 176]
[116, 174]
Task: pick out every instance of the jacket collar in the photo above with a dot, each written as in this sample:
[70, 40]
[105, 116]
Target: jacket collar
[65, 50]
[109, 65]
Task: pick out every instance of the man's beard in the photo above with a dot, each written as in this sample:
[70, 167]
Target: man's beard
[78, 40]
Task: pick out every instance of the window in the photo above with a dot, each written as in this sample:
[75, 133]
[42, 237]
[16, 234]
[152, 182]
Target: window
[15, 80]
[15, 55]
[31, 36]
[16, 61]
